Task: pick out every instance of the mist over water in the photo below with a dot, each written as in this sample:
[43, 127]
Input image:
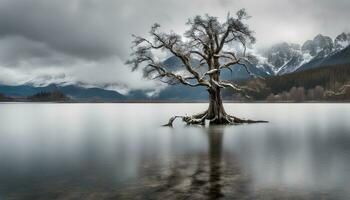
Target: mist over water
[120, 151]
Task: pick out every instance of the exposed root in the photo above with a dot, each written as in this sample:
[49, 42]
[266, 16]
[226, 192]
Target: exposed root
[236, 120]
[171, 120]
[199, 119]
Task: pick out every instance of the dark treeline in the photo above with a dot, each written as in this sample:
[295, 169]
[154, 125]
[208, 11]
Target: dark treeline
[55, 96]
[5, 98]
[329, 77]
[330, 83]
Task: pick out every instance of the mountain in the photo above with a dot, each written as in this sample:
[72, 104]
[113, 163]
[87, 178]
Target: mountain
[338, 57]
[279, 59]
[320, 46]
[170, 93]
[284, 58]
[182, 93]
[81, 94]
[288, 57]
[342, 41]
[24, 90]
[75, 92]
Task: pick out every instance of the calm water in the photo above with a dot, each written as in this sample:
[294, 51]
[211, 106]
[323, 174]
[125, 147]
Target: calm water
[120, 151]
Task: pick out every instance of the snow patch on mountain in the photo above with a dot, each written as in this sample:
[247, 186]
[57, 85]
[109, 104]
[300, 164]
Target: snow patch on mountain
[284, 58]
[342, 41]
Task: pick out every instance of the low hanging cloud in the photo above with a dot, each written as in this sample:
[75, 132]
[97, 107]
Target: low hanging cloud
[88, 41]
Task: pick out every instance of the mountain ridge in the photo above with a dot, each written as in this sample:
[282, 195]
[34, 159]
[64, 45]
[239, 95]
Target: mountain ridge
[279, 59]
[286, 58]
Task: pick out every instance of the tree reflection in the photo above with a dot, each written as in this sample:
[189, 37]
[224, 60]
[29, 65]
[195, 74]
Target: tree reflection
[215, 139]
[211, 174]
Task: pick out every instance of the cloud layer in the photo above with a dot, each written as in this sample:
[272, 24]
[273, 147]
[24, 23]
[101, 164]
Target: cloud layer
[89, 40]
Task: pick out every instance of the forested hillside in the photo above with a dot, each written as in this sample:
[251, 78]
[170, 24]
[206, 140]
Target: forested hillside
[328, 77]
[4, 98]
[330, 83]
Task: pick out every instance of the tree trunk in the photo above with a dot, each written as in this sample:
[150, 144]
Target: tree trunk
[215, 114]
[216, 111]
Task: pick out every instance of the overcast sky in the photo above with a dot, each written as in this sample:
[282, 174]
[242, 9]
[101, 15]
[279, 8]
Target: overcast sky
[88, 41]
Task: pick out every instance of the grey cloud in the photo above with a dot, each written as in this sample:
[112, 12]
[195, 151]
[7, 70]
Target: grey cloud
[89, 40]
[16, 51]
[66, 26]
[94, 29]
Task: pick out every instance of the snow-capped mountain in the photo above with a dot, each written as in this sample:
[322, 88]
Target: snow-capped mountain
[342, 41]
[279, 59]
[319, 46]
[286, 58]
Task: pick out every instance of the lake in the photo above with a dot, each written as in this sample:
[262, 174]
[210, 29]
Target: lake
[121, 151]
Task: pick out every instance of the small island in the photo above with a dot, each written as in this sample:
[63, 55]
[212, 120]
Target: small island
[4, 98]
[54, 96]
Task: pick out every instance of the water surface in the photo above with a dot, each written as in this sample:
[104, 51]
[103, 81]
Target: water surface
[120, 151]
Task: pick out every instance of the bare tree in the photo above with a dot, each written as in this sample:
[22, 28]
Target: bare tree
[208, 41]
